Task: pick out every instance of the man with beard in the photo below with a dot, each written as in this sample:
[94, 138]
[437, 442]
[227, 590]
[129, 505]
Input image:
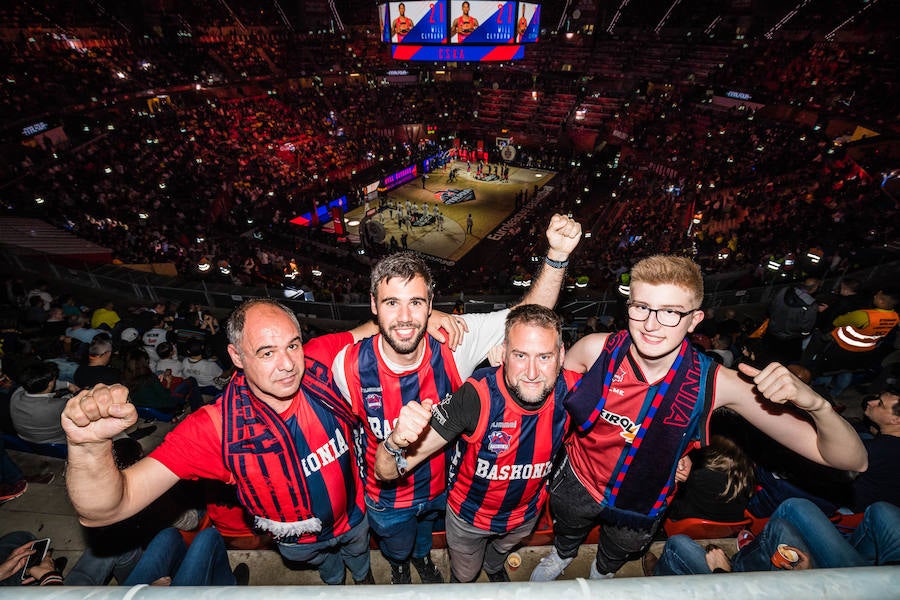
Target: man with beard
[511, 422]
[402, 364]
[645, 401]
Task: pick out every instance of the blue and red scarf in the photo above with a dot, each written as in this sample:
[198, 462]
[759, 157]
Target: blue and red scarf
[677, 407]
[258, 448]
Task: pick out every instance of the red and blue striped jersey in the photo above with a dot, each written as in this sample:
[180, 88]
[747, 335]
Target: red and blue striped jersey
[500, 479]
[377, 394]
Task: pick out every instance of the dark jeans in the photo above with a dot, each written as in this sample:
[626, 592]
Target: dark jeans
[575, 513]
[205, 562]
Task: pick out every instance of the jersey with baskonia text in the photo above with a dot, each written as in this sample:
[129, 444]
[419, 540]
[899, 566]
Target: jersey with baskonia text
[378, 394]
[324, 446]
[500, 480]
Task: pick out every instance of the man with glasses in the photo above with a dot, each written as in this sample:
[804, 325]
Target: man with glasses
[645, 401]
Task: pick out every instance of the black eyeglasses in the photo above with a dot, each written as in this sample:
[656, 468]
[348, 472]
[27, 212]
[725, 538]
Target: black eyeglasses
[668, 317]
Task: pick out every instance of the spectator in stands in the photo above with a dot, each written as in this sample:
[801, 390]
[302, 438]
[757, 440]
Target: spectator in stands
[105, 317]
[792, 318]
[203, 370]
[855, 341]
[40, 291]
[168, 360]
[78, 330]
[804, 529]
[35, 408]
[880, 482]
[719, 486]
[155, 336]
[97, 369]
[145, 388]
[834, 304]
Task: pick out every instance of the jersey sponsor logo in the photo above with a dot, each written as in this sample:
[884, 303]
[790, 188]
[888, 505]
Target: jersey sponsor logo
[485, 470]
[325, 454]
[504, 425]
[629, 429]
[498, 441]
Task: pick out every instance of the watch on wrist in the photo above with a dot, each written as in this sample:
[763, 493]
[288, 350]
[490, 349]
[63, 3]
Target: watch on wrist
[399, 455]
[556, 264]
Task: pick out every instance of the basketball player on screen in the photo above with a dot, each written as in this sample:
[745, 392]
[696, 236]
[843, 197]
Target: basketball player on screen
[464, 24]
[402, 24]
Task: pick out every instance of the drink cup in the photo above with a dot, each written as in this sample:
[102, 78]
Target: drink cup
[514, 560]
[785, 557]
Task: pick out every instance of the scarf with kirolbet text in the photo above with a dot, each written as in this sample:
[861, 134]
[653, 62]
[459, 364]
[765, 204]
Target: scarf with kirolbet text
[643, 481]
[259, 449]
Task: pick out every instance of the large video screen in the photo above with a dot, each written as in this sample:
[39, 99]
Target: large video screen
[414, 22]
[480, 53]
[482, 22]
[529, 23]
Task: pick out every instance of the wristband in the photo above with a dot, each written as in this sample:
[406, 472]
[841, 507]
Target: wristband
[399, 455]
[50, 578]
[556, 264]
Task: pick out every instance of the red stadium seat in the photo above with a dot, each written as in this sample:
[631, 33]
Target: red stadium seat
[704, 529]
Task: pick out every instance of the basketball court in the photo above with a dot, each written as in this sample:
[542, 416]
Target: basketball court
[494, 202]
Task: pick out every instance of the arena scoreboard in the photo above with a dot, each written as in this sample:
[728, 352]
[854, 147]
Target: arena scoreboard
[459, 30]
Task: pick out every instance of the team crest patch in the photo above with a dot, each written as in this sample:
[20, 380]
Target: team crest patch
[498, 441]
[373, 401]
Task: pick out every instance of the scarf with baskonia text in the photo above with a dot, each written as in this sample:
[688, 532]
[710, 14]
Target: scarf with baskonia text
[260, 451]
[643, 481]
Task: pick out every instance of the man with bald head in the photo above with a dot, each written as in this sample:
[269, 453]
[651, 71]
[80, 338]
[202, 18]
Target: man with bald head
[280, 433]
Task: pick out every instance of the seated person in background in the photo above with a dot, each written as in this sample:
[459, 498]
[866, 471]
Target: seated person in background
[145, 388]
[168, 360]
[97, 369]
[203, 370]
[880, 481]
[78, 329]
[719, 486]
[168, 560]
[35, 408]
[806, 530]
[105, 317]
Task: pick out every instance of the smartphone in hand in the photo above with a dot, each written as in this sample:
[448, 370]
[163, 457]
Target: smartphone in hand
[40, 548]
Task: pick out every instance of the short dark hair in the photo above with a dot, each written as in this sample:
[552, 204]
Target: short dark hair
[536, 315]
[164, 349]
[406, 266]
[36, 377]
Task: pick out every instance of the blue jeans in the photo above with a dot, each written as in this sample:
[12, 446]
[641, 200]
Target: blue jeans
[799, 523]
[876, 541]
[8, 543]
[330, 556]
[205, 562]
[405, 532]
[92, 569]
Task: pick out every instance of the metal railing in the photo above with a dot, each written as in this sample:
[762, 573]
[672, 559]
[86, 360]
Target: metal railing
[861, 583]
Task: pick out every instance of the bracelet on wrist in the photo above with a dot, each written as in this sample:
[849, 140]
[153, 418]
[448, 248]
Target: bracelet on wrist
[556, 264]
[399, 455]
